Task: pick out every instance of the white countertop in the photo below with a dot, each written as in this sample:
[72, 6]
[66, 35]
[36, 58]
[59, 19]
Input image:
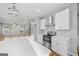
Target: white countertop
[39, 49]
[61, 37]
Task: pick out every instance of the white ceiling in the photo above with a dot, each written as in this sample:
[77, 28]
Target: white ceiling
[28, 10]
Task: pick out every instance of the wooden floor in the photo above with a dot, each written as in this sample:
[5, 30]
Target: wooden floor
[53, 53]
[2, 38]
[78, 51]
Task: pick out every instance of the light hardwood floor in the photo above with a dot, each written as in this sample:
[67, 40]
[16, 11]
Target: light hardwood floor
[53, 53]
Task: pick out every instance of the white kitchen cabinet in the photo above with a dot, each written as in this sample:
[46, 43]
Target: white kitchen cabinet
[62, 19]
[60, 45]
[42, 24]
[40, 38]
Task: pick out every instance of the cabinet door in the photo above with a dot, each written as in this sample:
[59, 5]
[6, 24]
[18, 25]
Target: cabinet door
[42, 24]
[59, 46]
[40, 38]
[62, 19]
[53, 42]
[55, 45]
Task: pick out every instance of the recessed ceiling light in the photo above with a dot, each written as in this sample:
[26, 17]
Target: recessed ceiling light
[37, 10]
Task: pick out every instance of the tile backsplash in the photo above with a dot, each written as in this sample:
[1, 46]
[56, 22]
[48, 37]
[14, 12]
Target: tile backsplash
[63, 33]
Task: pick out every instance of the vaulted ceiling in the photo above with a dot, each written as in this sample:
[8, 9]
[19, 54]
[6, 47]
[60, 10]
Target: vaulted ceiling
[29, 11]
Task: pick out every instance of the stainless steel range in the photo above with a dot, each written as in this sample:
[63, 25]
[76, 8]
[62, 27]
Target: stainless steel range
[47, 39]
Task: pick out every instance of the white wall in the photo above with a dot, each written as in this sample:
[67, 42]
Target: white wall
[73, 29]
[78, 28]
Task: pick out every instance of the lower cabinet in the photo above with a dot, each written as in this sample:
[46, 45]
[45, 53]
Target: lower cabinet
[40, 38]
[60, 45]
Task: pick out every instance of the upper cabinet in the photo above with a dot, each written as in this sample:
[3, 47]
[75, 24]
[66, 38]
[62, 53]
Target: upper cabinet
[43, 24]
[62, 19]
